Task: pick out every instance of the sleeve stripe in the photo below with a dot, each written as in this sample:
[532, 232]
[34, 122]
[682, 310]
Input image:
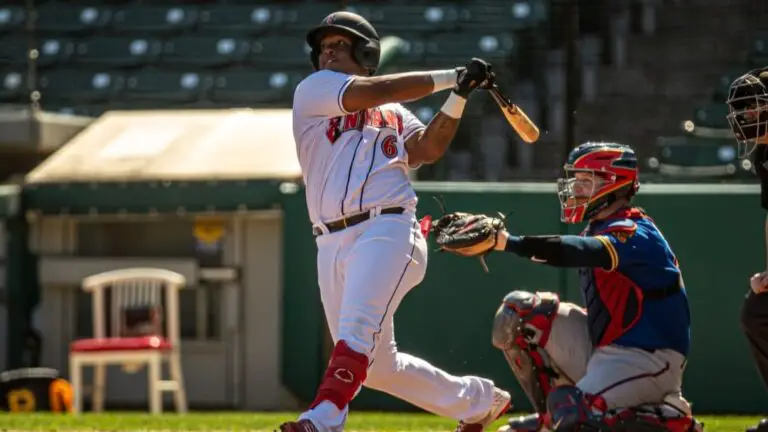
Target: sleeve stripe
[611, 251]
[341, 94]
[407, 137]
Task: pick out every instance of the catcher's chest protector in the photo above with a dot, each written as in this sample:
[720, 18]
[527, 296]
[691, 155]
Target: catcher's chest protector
[521, 329]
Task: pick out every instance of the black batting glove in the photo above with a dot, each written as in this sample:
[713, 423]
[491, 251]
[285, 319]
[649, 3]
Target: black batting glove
[476, 74]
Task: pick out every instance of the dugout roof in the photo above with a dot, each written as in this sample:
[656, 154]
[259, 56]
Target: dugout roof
[130, 162]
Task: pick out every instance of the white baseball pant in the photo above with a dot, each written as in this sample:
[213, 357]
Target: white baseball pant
[364, 273]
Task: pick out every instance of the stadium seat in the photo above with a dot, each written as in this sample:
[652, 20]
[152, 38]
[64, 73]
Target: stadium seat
[698, 157]
[724, 81]
[79, 86]
[280, 50]
[512, 16]
[62, 17]
[448, 48]
[758, 56]
[712, 116]
[427, 107]
[12, 19]
[143, 19]
[55, 52]
[239, 19]
[14, 50]
[166, 86]
[13, 85]
[205, 51]
[118, 51]
[249, 86]
[413, 50]
[300, 19]
[392, 18]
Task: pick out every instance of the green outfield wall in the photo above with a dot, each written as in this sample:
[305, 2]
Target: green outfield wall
[716, 231]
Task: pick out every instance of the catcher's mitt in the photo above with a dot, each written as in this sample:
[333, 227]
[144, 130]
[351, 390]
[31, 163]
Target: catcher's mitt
[467, 234]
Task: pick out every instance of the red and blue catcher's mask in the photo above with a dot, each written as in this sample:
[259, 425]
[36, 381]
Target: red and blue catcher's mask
[748, 110]
[596, 176]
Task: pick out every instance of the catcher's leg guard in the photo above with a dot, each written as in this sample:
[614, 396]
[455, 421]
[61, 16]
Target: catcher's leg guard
[521, 328]
[346, 371]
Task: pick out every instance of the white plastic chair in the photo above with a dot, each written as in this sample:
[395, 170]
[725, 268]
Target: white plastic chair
[130, 288]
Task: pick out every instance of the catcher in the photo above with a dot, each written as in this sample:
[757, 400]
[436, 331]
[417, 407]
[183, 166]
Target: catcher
[618, 365]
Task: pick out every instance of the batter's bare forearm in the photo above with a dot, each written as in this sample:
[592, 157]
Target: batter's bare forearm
[435, 140]
[369, 92]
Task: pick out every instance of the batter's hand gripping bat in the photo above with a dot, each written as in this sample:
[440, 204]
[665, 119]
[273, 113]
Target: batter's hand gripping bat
[516, 117]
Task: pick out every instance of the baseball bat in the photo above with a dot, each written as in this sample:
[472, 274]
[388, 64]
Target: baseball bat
[516, 117]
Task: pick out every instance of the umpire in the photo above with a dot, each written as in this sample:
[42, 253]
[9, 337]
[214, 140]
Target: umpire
[748, 117]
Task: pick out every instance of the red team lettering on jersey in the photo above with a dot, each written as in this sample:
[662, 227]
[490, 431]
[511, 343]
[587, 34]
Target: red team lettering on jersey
[374, 117]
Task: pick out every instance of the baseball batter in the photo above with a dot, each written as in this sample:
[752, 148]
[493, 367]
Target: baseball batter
[355, 144]
[618, 364]
[748, 117]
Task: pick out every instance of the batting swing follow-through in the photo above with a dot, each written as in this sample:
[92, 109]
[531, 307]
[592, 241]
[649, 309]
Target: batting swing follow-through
[356, 143]
[618, 364]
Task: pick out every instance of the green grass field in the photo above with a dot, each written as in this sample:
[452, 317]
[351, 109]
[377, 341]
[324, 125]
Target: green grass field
[265, 422]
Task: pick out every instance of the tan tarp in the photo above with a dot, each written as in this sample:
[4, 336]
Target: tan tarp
[177, 145]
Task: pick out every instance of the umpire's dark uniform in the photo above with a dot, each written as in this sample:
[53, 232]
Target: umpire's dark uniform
[754, 314]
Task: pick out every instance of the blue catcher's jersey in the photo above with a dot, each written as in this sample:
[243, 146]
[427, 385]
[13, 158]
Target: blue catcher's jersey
[641, 301]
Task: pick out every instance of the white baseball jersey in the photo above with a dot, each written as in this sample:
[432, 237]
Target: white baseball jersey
[351, 162]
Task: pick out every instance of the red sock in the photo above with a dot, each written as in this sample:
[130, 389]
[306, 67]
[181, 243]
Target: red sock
[346, 372]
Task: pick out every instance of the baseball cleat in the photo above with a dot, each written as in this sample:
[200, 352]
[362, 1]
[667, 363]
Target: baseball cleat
[298, 426]
[502, 401]
[527, 423]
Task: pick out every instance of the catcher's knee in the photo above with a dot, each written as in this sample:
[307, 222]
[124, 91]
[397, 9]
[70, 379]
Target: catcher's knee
[524, 319]
[521, 328]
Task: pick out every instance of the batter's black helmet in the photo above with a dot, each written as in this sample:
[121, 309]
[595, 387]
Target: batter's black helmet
[366, 48]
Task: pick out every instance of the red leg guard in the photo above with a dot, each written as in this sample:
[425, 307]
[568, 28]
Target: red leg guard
[346, 372]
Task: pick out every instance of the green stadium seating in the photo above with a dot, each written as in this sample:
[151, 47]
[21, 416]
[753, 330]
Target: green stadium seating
[712, 116]
[118, 51]
[300, 18]
[415, 47]
[152, 84]
[205, 51]
[758, 56]
[12, 19]
[239, 19]
[63, 17]
[79, 85]
[280, 50]
[392, 18]
[427, 107]
[14, 50]
[724, 81]
[450, 48]
[54, 52]
[162, 19]
[698, 157]
[249, 86]
[513, 16]
[13, 85]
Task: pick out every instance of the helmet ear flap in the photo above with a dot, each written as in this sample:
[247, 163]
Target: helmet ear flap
[367, 54]
[314, 57]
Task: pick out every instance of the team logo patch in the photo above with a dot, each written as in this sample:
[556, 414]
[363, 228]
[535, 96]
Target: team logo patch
[344, 375]
[622, 236]
[389, 146]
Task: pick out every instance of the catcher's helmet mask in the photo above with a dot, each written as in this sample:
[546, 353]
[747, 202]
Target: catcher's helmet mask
[596, 176]
[366, 44]
[748, 110]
